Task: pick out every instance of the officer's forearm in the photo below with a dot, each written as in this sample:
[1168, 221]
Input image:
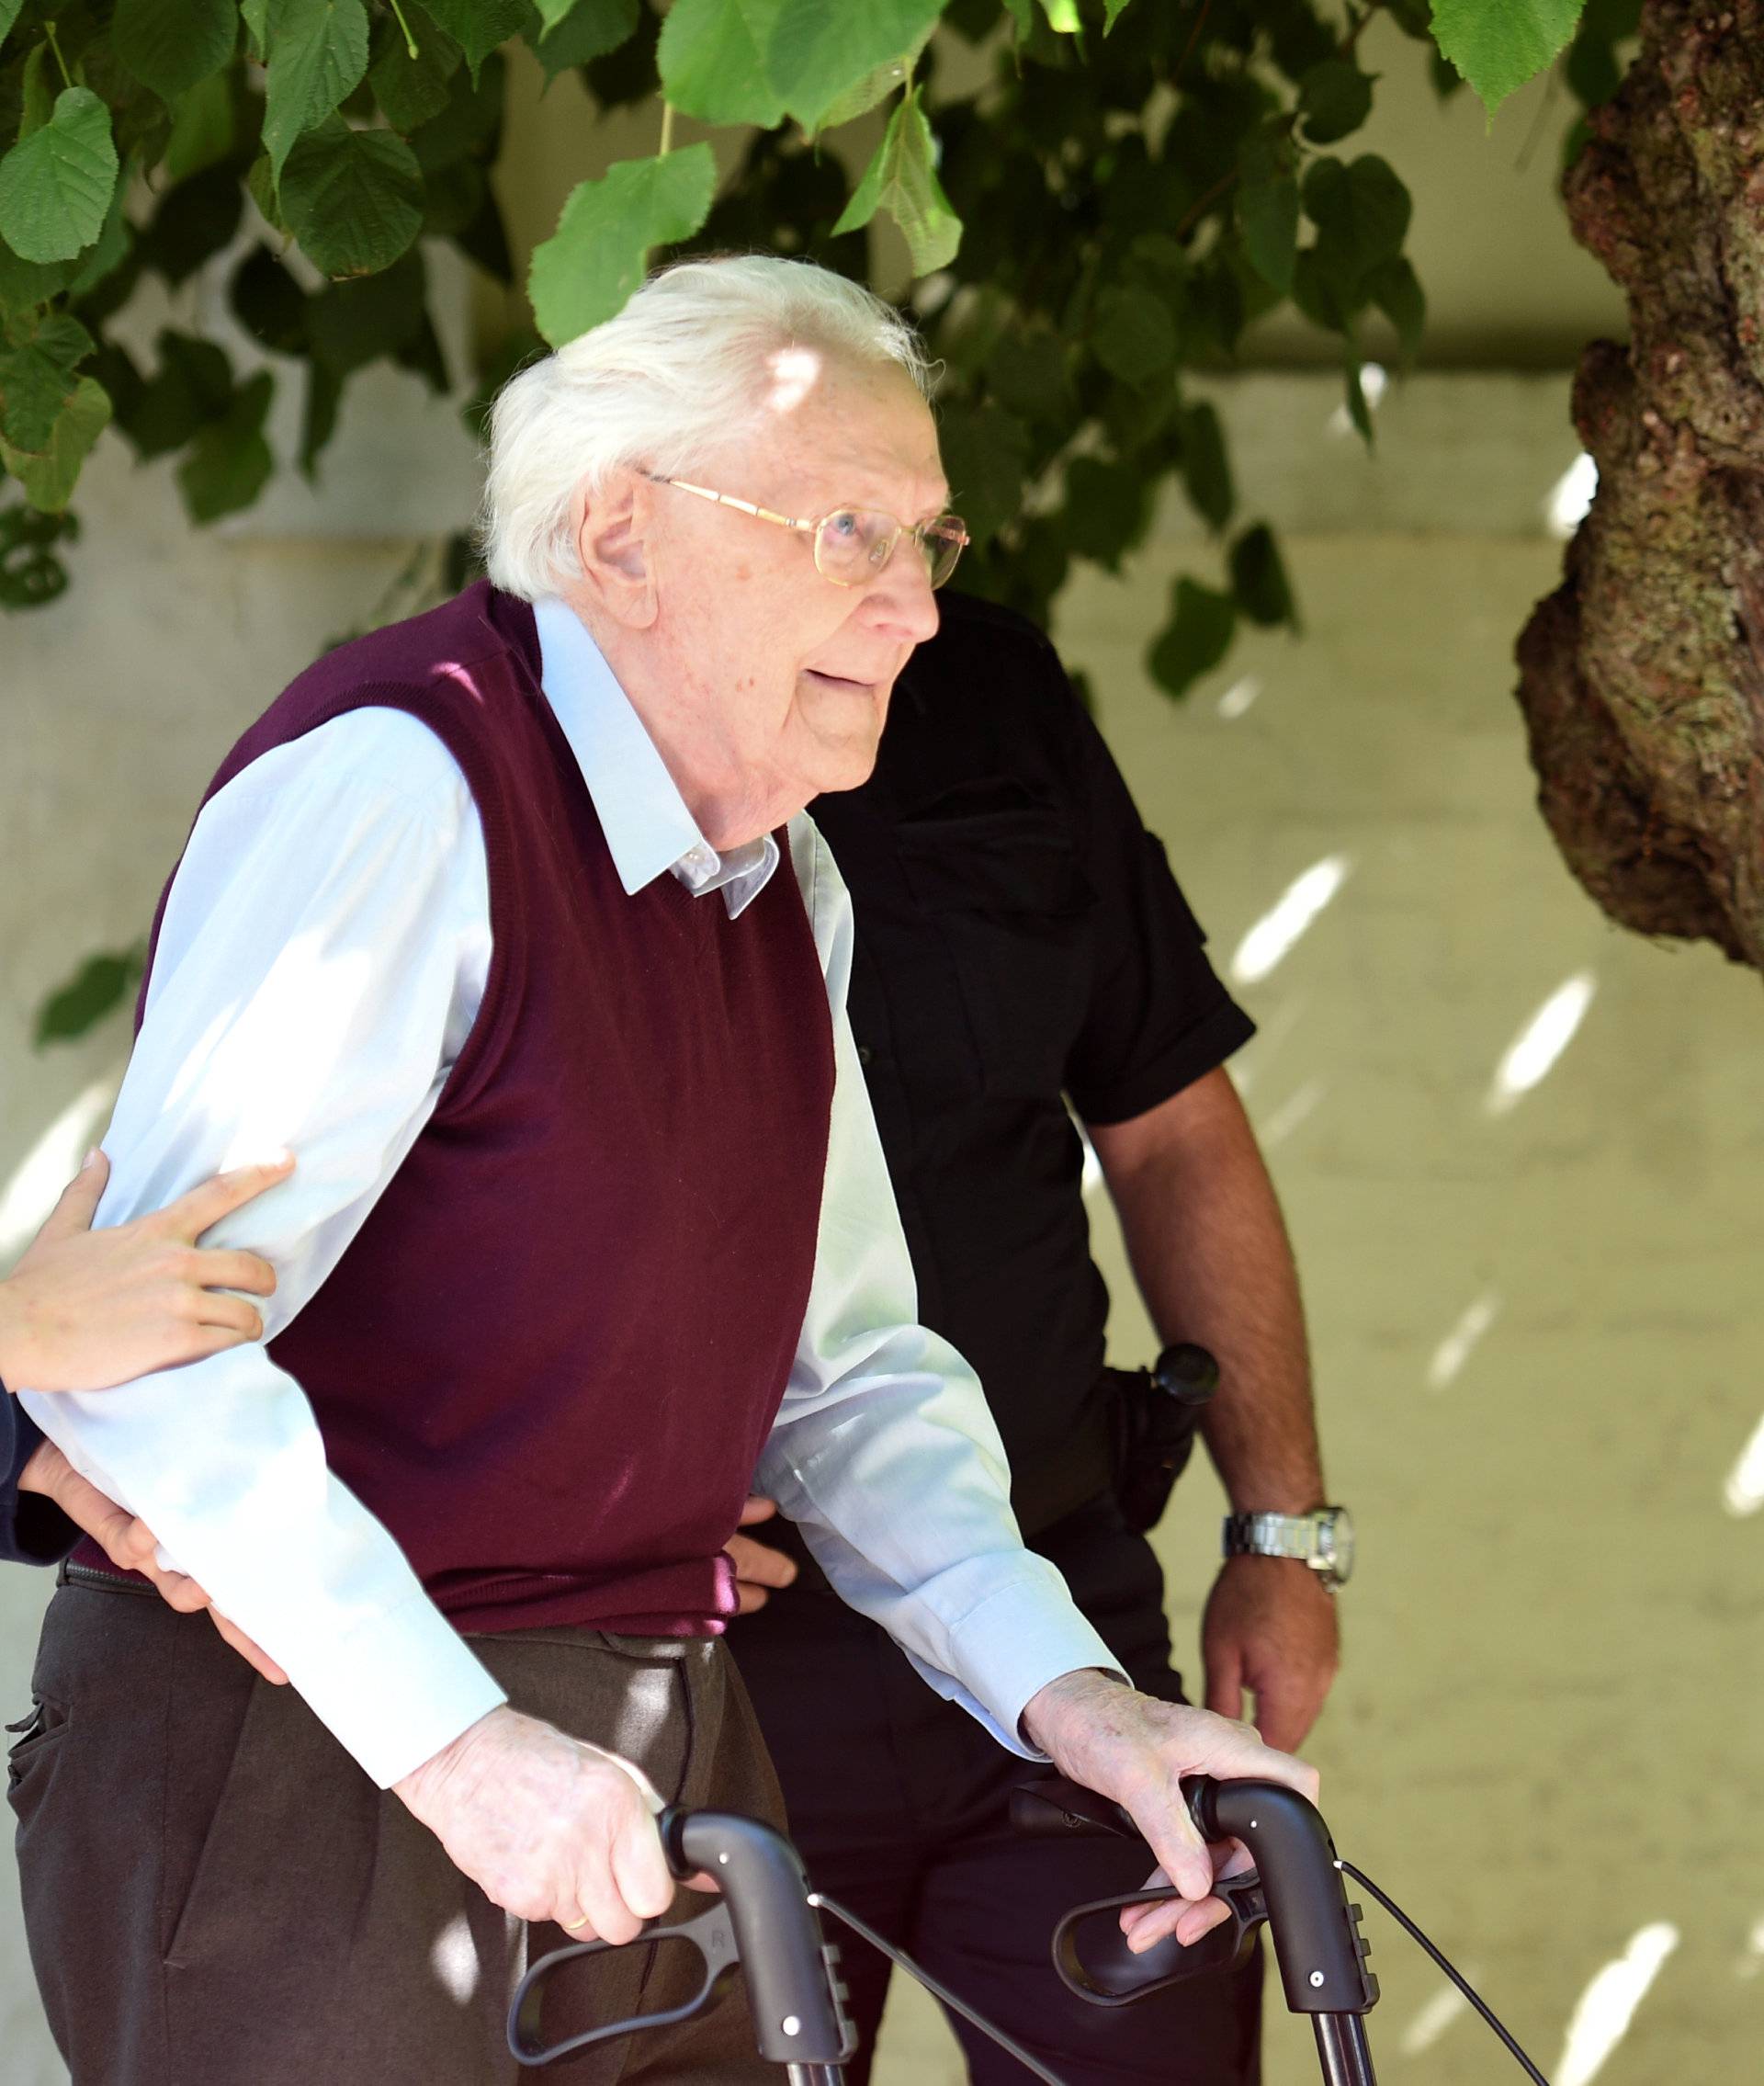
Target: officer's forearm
[1210, 1252]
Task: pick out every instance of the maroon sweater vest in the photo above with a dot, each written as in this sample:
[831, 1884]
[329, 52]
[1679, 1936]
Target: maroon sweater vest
[550, 1358]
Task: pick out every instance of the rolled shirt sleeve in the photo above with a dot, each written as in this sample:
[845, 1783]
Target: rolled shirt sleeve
[885, 1453]
[322, 952]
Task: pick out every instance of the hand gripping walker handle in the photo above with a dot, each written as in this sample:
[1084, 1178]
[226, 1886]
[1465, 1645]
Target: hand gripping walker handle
[1321, 1952]
[762, 1920]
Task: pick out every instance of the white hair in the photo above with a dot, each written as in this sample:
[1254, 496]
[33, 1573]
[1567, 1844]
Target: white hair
[683, 369]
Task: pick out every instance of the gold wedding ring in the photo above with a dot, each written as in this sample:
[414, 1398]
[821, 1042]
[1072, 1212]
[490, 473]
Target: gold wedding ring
[575, 1926]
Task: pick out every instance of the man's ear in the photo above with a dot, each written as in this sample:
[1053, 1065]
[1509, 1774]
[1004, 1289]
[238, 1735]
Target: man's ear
[613, 542]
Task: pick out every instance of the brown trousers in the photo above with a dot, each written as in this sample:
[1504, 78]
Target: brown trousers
[216, 1894]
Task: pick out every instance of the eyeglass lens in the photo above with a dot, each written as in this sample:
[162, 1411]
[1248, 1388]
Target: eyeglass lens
[854, 545]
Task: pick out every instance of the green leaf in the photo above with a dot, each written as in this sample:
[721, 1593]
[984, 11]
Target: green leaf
[353, 199]
[355, 322]
[591, 29]
[1268, 217]
[194, 220]
[1198, 635]
[36, 91]
[903, 179]
[260, 185]
[1499, 47]
[1108, 508]
[1258, 580]
[56, 186]
[318, 56]
[170, 45]
[478, 26]
[1207, 470]
[193, 386]
[411, 90]
[203, 131]
[101, 985]
[819, 53]
[113, 246]
[1361, 213]
[1395, 290]
[468, 125]
[1112, 11]
[318, 417]
[24, 284]
[1358, 409]
[30, 574]
[38, 380]
[8, 15]
[1026, 373]
[985, 454]
[1333, 98]
[712, 60]
[230, 462]
[255, 14]
[585, 272]
[49, 478]
[1134, 336]
[874, 87]
[1062, 14]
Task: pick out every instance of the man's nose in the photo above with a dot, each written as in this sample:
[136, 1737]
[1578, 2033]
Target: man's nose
[900, 604]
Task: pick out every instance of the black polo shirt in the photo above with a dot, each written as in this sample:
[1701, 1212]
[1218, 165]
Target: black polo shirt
[1020, 939]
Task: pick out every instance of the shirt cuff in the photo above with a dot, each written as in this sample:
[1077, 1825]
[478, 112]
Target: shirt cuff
[394, 1690]
[1221, 1032]
[1007, 1650]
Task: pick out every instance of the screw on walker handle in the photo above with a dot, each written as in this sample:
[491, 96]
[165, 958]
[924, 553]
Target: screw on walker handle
[762, 1920]
[1317, 1936]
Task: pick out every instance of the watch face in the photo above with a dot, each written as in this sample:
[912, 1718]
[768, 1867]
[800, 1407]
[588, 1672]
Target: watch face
[1336, 1543]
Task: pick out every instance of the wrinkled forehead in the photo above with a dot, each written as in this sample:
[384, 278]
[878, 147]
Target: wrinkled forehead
[836, 433]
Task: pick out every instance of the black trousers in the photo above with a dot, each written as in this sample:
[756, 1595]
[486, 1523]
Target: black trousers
[899, 1802]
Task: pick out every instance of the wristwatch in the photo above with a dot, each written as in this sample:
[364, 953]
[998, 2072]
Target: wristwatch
[1324, 1541]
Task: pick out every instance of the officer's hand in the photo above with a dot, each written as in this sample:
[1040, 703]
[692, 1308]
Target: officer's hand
[131, 1546]
[1271, 1627]
[759, 1571]
[549, 1827]
[1107, 1736]
[85, 1310]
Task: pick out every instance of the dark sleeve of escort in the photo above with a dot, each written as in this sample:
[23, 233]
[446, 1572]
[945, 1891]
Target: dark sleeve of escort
[1159, 1018]
[32, 1531]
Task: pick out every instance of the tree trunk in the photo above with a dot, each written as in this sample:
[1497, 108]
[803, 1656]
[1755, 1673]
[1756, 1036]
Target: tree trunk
[1642, 677]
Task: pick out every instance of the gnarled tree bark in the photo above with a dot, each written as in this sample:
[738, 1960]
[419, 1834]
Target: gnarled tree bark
[1642, 677]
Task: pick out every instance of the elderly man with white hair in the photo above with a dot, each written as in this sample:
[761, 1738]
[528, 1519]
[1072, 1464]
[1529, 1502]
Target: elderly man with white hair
[508, 921]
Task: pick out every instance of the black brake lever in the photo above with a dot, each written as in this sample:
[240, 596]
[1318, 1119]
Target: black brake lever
[711, 1932]
[1092, 1955]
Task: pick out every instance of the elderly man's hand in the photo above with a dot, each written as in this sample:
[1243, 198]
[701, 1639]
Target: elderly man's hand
[131, 1546]
[1136, 1749]
[760, 1570]
[549, 1827]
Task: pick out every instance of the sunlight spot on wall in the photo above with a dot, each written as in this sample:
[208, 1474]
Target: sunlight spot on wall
[50, 1163]
[1751, 1961]
[1540, 1042]
[1436, 2017]
[1744, 1491]
[454, 1960]
[1292, 1112]
[1569, 498]
[1608, 2005]
[1238, 696]
[1375, 381]
[1458, 1345]
[1092, 1176]
[1271, 937]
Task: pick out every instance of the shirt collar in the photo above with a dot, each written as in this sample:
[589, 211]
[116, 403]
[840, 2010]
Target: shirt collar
[641, 811]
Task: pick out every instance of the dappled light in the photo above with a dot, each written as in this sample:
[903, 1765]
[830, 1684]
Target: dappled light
[45, 1169]
[1272, 936]
[1533, 1055]
[1460, 1344]
[1608, 2005]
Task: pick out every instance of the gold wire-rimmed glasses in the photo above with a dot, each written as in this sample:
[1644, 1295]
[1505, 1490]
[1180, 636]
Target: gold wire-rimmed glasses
[853, 545]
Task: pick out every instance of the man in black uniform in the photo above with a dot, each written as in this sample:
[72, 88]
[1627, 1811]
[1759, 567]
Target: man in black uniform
[1019, 941]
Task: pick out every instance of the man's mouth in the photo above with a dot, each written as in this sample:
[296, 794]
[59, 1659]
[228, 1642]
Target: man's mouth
[836, 680]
